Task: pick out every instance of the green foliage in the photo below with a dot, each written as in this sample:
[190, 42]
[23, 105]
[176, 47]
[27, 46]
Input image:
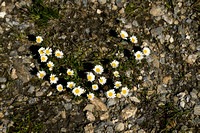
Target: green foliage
[41, 14]
[25, 125]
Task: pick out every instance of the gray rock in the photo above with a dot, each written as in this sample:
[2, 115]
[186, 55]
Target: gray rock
[128, 112]
[102, 1]
[23, 26]
[98, 104]
[21, 49]
[119, 3]
[3, 86]
[141, 131]
[157, 31]
[39, 93]
[32, 100]
[135, 99]
[168, 19]
[68, 106]
[2, 14]
[90, 116]
[156, 11]
[193, 95]
[64, 130]
[111, 102]
[182, 104]
[109, 129]
[31, 89]
[3, 80]
[100, 127]
[135, 23]
[197, 110]
[140, 120]
[89, 107]
[89, 128]
[13, 53]
[13, 74]
[161, 90]
[191, 58]
[119, 127]
[85, 2]
[104, 116]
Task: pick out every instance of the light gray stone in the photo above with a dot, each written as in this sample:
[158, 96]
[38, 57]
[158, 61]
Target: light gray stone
[102, 1]
[156, 11]
[119, 127]
[3, 80]
[197, 110]
[128, 112]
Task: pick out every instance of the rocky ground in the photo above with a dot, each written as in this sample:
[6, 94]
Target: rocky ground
[164, 89]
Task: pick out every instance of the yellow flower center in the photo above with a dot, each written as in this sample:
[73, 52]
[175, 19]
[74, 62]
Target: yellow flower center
[133, 40]
[41, 74]
[89, 77]
[77, 91]
[145, 51]
[94, 87]
[123, 36]
[138, 55]
[43, 58]
[41, 52]
[113, 64]
[71, 85]
[89, 96]
[101, 80]
[117, 85]
[52, 78]
[118, 95]
[38, 39]
[58, 54]
[60, 88]
[47, 51]
[116, 74]
[69, 73]
[124, 91]
[98, 69]
[49, 65]
[110, 94]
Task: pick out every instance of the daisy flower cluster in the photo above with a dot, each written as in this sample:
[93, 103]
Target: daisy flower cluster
[101, 80]
[139, 55]
[44, 54]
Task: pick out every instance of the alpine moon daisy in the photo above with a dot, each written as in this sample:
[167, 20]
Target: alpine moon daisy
[41, 74]
[102, 80]
[146, 51]
[90, 76]
[50, 64]
[114, 64]
[48, 51]
[116, 74]
[41, 51]
[133, 39]
[44, 58]
[118, 95]
[59, 87]
[117, 84]
[77, 91]
[39, 39]
[95, 87]
[111, 94]
[53, 79]
[71, 85]
[98, 69]
[90, 96]
[59, 54]
[124, 34]
[70, 72]
[125, 91]
[138, 55]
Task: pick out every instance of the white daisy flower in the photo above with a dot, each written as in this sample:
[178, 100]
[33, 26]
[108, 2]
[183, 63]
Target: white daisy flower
[118, 95]
[59, 54]
[90, 96]
[95, 87]
[70, 72]
[125, 91]
[48, 51]
[116, 74]
[98, 69]
[39, 39]
[77, 91]
[111, 94]
[59, 87]
[102, 80]
[50, 64]
[146, 51]
[117, 84]
[44, 58]
[41, 51]
[53, 79]
[133, 39]
[124, 34]
[138, 55]
[41, 74]
[90, 76]
[71, 85]
[114, 64]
